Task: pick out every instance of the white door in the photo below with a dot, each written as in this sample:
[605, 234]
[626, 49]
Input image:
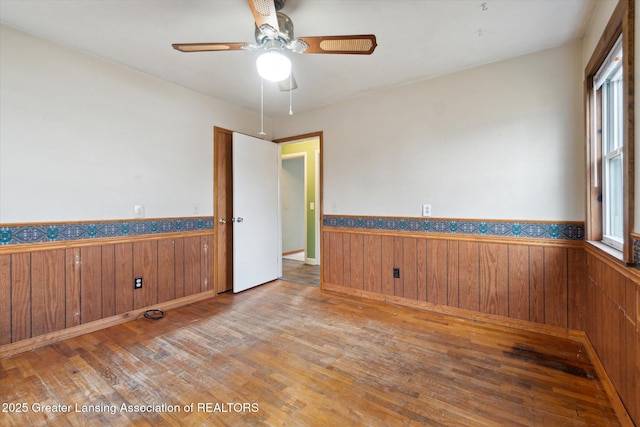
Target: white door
[256, 226]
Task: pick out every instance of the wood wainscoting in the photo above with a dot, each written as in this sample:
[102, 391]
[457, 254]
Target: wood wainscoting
[610, 316]
[56, 290]
[520, 280]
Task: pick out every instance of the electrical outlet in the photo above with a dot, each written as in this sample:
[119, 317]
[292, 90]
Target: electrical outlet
[396, 273]
[137, 282]
[426, 210]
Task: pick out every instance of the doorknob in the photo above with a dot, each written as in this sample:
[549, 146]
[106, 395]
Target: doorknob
[222, 221]
[239, 219]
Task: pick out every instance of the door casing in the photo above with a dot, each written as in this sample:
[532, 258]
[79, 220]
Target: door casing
[223, 204]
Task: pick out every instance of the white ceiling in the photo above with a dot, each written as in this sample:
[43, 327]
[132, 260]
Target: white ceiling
[417, 39]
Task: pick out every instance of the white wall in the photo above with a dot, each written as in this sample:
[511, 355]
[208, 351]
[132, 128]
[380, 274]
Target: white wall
[501, 141]
[292, 189]
[85, 139]
[599, 18]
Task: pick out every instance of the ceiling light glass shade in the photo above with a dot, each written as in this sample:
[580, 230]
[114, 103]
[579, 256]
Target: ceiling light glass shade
[273, 66]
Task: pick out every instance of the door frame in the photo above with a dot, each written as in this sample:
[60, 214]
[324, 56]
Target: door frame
[223, 204]
[222, 210]
[319, 209]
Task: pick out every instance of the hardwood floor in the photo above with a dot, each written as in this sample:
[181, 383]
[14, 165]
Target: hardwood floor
[294, 355]
[299, 272]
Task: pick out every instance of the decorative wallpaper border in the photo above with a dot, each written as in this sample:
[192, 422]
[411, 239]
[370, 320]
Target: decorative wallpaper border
[521, 229]
[36, 233]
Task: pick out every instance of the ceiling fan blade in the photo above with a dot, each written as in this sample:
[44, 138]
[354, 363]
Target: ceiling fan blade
[288, 84]
[363, 44]
[264, 12]
[207, 47]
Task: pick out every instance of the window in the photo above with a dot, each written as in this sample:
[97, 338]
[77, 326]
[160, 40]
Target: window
[609, 106]
[609, 109]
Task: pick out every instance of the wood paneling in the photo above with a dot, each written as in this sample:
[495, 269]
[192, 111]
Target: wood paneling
[191, 265]
[398, 258]
[49, 290]
[520, 281]
[575, 283]
[357, 261]
[20, 296]
[145, 265]
[5, 299]
[453, 279]
[108, 280]
[206, 263]
[346, 260]
[91, 284]
[388, 264]
[124, 277]
[468, 276]
[166, 270]
[536, 284]
[437, 274]
[610, 299]
[494, 279]
[408, 269]
[179, 267]
[555, 286]
[422, 267]
[72, 285]
[334, 264]
[372, 263]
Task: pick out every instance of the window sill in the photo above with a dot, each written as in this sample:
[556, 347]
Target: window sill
[607, 249]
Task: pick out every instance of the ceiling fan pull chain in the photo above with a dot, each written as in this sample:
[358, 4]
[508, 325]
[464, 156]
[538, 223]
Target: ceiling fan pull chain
[262, 107]
[290, 95]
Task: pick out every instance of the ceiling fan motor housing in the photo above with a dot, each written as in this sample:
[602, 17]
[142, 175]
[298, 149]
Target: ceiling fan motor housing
[285, 32]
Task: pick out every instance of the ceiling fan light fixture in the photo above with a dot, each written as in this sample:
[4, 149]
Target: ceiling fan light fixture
[273, 66]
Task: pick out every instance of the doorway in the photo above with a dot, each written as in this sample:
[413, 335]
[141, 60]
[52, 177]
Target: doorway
[223, 197]
[293, 196]
[300, 186]
[299, 192]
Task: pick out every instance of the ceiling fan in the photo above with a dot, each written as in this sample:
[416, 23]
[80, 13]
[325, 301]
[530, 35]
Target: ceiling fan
[274, 35]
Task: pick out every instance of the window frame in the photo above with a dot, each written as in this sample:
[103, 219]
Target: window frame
[620, 26]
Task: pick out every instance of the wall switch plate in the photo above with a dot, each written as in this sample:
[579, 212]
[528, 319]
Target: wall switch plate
[312, 206]
[137, 282]
[426, 210]
[138, 211]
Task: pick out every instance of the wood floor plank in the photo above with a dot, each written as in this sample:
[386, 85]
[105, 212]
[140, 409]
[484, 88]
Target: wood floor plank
[286, 354]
